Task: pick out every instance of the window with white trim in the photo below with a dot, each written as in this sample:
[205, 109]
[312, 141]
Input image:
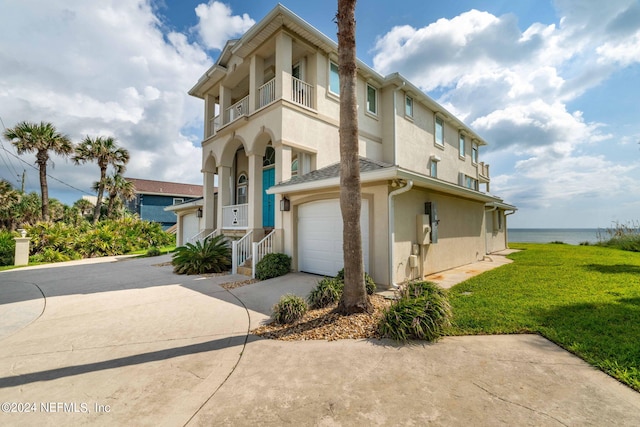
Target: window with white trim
[461, 145]
[471, 183]
[439, 131]
[178, 200]
[474, 152]
[434, 168]
[408, 106]
[334, 78]
[372, 99]
[241, 189]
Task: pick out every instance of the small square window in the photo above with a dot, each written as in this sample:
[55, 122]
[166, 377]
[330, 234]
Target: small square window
[439, 131]
[372, 100]
[334, 79]
[178, 200]
[408, 107]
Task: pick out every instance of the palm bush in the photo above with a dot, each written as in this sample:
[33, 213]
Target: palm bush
[213, 255]
[7, 248]
[422, 312]
[369, 284]
[327, 291]
[289, 309]
[273, 265]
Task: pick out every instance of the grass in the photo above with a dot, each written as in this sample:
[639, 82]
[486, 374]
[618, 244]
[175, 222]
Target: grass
[584, 298]
[163, 249]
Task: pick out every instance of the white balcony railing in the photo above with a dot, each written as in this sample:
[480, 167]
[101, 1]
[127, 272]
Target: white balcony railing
[214, 125]
[267, 93]
[235, 217]
[237, 110]
[301, 92]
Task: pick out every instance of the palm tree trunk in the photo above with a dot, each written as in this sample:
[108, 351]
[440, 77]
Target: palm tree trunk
[42, 158]
[354, 297]
[96, 210]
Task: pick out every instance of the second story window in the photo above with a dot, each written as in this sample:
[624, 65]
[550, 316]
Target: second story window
[334, 78]
[439, 132]
[461, 146]
[434, 168]
[474, 153]
[408, 106]
[372, 100]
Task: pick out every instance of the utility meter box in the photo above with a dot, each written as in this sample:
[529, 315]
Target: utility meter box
[413, 261]
[423, 229]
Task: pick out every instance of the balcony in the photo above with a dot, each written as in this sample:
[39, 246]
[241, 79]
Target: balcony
[301, 92]
[237, 110]
[483, 172]
[235, 217]
[267, 93]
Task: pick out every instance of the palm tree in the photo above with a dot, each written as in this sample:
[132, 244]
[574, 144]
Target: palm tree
[105, 151]
[84, 206]
[9, 199]
[354, 297]
[117, 186]
[40, 138]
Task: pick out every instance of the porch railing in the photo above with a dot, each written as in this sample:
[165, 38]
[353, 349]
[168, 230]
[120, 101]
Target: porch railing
[267, 93]
[214, 125]
[201, 236]
[483, 170]
[301, 92]
[240, 251]
[268, 245]
[237, 110]
[235, 217]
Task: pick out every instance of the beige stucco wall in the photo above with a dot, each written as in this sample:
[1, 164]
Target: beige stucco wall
[460, 233]
[496, 230]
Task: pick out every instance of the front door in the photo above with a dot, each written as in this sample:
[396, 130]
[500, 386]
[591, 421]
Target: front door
[268, 200]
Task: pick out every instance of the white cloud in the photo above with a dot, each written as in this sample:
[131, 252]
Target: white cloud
[217, 24]
[104, 68]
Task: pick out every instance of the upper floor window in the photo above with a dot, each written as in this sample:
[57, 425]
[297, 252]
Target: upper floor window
[474, 153]
[269, 158]
[439, 131]
[334, 78]
[408, 106]
[434, 168]
[372, 99]
[461, 145]
[294, 167]
[178, 200]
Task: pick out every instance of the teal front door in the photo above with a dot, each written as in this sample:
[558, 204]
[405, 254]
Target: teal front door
[268, 200]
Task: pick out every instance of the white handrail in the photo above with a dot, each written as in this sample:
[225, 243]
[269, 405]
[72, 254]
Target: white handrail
[301, 92]
[201, 236]
[240, 251]
[237, 110]
[262, 248]
[267, 93]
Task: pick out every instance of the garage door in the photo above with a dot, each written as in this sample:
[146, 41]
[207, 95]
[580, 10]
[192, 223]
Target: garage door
[320, 237]
[190, 226]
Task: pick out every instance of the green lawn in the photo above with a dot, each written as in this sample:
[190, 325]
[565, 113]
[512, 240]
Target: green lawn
[584, 298]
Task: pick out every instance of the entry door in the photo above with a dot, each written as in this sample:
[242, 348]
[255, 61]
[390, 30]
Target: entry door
[268, 200]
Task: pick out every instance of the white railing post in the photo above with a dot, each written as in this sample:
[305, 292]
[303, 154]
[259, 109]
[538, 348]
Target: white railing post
[254, 251]
[234, 257]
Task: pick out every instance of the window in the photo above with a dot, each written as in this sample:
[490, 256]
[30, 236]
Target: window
[241, 189]
[471, 183]
[474, 153]
[439, 131]
[269, 158]
[408, 106]
[334, 79]
[178, 200]
[372, 100]
[294, 167]
[461, 146]
[434, 168]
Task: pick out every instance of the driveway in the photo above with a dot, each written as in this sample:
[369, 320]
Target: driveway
[126, 342]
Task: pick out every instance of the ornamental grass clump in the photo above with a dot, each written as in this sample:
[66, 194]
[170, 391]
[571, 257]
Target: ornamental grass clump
[289, 309]
[422, 312]
[327, 291]
[213, 255]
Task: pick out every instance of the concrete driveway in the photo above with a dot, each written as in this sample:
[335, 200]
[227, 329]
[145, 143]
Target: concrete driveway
[129, 343]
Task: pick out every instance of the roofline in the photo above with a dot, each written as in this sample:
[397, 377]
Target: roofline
[186, 205]
[389, 174]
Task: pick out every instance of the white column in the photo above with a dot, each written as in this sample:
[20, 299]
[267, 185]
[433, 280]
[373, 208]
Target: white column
[255, 193]
[224, 191]
[283, 66]
[256, 77]
[209, 214]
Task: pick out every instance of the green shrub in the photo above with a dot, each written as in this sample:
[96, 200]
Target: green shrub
[50, 255]
[273, 265]
[369, 284]
[7, 248]
[289, 309]
[327, 291]
[153, 251]
[425, 318]
[211, 256]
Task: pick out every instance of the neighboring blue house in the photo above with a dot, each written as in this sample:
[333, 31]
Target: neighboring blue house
[153, 196]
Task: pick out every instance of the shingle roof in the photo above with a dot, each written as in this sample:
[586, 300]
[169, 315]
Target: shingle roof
[333, 171]
[147, 186]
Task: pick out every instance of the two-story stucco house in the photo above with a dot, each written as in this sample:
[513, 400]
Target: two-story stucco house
[271, 138]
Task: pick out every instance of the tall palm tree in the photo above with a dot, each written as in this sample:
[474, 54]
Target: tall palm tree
[40, 138]
[104, 151]
[117, 186]
[354, 297]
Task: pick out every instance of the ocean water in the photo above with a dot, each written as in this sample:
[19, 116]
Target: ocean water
[571, 236]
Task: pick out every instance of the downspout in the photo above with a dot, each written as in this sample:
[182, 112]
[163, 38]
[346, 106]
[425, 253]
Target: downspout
[506, 229]
[391, 205]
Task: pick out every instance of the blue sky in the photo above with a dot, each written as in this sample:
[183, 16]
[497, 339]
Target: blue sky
[553, 86]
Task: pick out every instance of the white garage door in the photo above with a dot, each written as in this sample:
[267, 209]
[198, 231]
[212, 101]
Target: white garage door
[190, 226]
[320, 237]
